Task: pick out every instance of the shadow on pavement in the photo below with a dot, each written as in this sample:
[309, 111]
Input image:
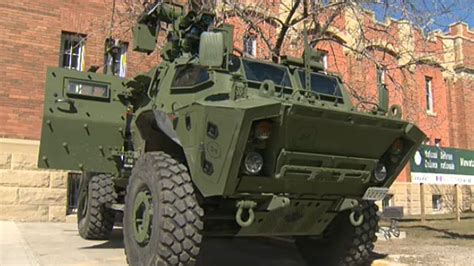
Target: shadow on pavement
[115, 241]
[446, 233]
[236, 251]
[248, 251]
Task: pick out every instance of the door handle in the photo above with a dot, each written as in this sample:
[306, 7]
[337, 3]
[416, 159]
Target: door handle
[64, 100]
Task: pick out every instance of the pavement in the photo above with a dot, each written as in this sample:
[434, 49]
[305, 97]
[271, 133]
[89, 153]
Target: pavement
[60, 244]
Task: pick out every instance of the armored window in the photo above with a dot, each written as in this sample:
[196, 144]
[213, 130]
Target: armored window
[257, 72]
[115, 57]
[87, 89]
[72, 51]
[190, 76]
[250, 46]
[326, 87]
[429, 95]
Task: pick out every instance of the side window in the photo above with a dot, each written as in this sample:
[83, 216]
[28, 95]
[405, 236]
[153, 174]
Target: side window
[189, 76]
[115, 59]
[72, 51]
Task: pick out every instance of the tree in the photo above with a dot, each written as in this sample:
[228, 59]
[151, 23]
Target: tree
[396, 50]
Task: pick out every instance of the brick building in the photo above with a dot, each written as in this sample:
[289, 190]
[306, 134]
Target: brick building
[436, 92]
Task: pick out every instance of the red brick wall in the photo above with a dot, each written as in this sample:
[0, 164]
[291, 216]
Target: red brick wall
[30, 42]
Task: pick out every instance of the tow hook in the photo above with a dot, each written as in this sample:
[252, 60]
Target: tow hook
[245, 204]
[356, 217]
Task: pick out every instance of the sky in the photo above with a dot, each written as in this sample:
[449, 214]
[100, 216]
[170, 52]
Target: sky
[427, 14]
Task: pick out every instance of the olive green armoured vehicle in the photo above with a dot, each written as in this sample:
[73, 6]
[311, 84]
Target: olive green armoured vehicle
[213, 144]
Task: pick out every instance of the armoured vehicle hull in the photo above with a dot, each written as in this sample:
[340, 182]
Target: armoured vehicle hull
[209, 143]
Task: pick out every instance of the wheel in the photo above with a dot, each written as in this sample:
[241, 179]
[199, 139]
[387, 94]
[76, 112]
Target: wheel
[343, 243]
[162, 218]
[95, 220]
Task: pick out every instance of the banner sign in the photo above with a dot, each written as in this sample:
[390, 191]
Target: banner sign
[439, 165]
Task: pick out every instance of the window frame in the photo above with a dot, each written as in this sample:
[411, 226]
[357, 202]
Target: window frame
[324, 59]
[194, 85]
[323, 96]
[81, 40]
[381, 78]
[429, 97]
[122, 71]
[438, 202]
[252, 81]
[68, 81]
[253, 41]
[388, 200]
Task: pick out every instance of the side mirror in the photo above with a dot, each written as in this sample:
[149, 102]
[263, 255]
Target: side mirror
[383, 98]
[211, 49]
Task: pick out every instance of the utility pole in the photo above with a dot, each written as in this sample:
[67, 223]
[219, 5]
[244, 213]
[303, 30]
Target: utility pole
[458, 199]
[422, 202]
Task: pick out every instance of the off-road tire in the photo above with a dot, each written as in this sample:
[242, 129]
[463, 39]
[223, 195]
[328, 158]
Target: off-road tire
[95, 219]
[174, 236]
[343, 243]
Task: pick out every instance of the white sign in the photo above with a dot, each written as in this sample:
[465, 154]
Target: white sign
[443, 179]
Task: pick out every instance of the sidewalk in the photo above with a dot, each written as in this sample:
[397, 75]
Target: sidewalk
[60, 244]
[13, 248]
[55, 244]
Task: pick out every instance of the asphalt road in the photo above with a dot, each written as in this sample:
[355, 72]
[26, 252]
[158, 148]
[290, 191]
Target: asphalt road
[60, 244]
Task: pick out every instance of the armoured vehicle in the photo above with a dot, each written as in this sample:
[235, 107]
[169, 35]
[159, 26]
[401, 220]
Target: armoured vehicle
[213, 144]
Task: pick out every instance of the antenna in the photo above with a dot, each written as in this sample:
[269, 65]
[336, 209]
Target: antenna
[307, 51]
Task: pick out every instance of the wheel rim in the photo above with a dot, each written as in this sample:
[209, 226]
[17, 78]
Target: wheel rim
[142, 216]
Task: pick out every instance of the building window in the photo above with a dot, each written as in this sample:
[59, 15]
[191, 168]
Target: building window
[323, 59]
[387, 201]
[381, 72]
[437, 202]
[72, 51]
[250, 46]
[429, 95]
[115, 59]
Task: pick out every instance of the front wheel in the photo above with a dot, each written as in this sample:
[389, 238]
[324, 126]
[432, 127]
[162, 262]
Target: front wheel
[343, 243]
[162, 218]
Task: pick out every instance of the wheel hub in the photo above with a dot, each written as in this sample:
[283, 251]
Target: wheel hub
[142, 217]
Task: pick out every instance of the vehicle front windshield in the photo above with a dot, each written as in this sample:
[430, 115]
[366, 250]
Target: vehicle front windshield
[259, 72]
[325, 86]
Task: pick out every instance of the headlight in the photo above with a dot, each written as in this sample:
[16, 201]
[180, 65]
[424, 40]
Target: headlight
[253, 163]
[380, 172]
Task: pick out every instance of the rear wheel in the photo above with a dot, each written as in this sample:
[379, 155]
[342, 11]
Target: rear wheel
[343, 243]
[95, 219]
[162, 218]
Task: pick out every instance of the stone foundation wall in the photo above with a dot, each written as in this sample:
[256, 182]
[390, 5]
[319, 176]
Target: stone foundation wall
[26, 192]
[407, 195]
